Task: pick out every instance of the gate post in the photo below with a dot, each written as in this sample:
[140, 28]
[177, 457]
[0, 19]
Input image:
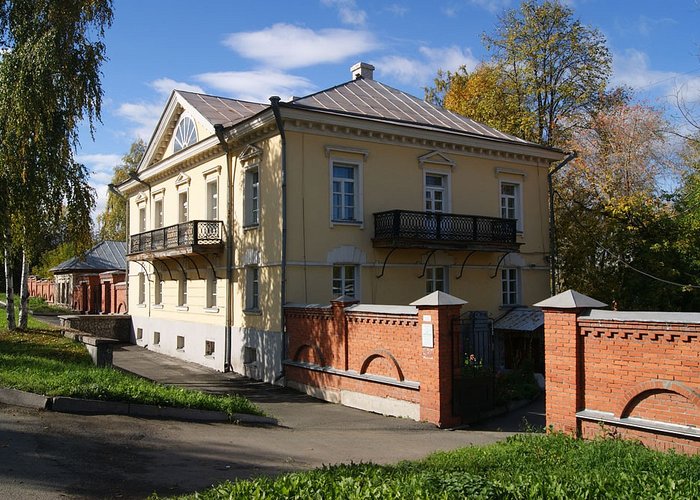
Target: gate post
[436, 315]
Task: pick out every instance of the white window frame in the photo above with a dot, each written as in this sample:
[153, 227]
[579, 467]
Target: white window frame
[447, 201]
[252, 289]
[158, 291]
[518, 201]
[158, 215]
[252, 196]
[431, 279]
[177, 143]
[183, 212]
[211, 289]
[142, 289]
[510, 286]
[357, 165]
[342, 267]
[143, 224]
[212, 207]
[182, 292]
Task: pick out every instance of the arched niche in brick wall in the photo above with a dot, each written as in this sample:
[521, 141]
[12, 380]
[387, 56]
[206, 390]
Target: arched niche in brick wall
[662, 400]
[382, 356]
[308, 353]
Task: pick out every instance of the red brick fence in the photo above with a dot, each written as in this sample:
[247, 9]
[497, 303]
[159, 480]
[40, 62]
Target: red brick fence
[395, 360]
[103, 293]
[637, 373]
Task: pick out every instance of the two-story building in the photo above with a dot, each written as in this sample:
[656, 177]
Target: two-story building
[238, 208]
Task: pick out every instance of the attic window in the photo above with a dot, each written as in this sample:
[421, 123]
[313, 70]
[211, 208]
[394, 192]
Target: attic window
[185, 134]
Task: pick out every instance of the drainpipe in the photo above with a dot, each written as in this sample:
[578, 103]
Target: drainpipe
[552, 230]
[275, 101]
[219, 130]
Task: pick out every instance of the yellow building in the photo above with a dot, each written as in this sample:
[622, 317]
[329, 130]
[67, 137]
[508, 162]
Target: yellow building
[238, 208]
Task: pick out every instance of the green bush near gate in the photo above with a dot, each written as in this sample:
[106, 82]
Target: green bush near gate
[522, 467]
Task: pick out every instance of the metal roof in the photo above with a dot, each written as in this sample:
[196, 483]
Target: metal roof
[570, 299]
[220, 110]
[370, 98]
[520, 319]
[105, 256]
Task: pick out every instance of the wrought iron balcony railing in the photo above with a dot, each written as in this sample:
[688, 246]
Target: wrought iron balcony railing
[409, 229]
[207, 233]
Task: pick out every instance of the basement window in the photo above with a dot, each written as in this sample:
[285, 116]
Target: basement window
[250, 355]
[209, 347]
[180, 342]
[156, 338]
[139, 333]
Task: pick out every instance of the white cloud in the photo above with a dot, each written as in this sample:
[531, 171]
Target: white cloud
[258, 85]
[397, 9]
[101, 168]
[167, 85]
[348, 12]
[144, 115]
[424, 68]
[493, 6]
[285, 46]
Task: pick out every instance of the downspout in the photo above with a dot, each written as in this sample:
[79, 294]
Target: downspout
[552, 230]
[275, 101]
[219, 130]
[135, 177]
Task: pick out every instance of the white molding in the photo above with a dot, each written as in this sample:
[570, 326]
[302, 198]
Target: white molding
[346, 254]
[250, 151]
[345, 149]
[215, 170]
[181, 179]
[509, 171]
[436, 158]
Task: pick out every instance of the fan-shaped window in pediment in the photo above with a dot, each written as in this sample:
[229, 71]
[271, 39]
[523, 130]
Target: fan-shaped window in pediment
[185, 134]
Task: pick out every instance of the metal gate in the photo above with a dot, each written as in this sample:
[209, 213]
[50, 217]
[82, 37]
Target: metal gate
[474, 376]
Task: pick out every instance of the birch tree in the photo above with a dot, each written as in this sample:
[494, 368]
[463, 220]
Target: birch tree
[49, 83]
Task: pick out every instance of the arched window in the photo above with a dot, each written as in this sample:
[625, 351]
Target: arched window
[185, 134]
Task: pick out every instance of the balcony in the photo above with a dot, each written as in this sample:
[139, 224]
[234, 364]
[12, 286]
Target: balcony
[193, 237]
[409, 229]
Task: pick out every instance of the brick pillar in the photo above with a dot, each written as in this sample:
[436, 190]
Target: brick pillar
[563, 358]
[340, 327]
[437, 313]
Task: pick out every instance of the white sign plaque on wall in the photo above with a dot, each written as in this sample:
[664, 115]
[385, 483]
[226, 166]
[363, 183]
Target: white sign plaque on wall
[427, 331]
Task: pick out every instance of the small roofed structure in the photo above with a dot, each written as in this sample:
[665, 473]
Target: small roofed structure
[94, 283]
[519, 336]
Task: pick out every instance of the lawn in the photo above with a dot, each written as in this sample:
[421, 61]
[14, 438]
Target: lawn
[522, 467]
[43, 362]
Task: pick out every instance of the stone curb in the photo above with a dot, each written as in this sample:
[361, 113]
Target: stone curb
[96, 407]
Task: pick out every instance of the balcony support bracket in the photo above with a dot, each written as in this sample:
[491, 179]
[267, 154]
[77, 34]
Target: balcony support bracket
[166, 267]
[500, 261]
[196, 267]
[184, 273]
[385, 261]
[427, 259]
[461, 270]
[213, 269]
[145, 271]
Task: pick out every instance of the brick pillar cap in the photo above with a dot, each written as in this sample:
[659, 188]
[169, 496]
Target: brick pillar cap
[570, 299]
[438, 298]
[345, 300]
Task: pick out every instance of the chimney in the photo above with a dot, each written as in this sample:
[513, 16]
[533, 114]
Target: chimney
[362, 70]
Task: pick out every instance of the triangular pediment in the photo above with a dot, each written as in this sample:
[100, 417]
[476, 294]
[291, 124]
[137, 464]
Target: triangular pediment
[250, 152]
[160, 144]
[436, 158]
[140, 198]
[182, 178]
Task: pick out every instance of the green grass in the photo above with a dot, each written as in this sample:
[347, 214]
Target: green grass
[32, 322]
[528, 466]
[45, 363]
[39, 306]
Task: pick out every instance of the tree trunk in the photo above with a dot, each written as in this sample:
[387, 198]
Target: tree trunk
[9, 292]
[24, 293]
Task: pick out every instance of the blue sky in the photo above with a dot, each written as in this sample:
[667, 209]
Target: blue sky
[253, 49]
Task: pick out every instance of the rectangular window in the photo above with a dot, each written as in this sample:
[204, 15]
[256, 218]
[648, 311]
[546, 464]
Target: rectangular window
[212, 200]
[156, 338]
[252, 197]
[158, 215]
[211, 291]
[435, 279]
[158, 291]
[435, 193]
[139, 333]
[510, 202]
[142, 288]
[509, 287]
[183, 206]
[182, 291]
[142, 219]
[345, 280]
[180, 342]
[209, 347]
[252, 302]
[345, 195]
